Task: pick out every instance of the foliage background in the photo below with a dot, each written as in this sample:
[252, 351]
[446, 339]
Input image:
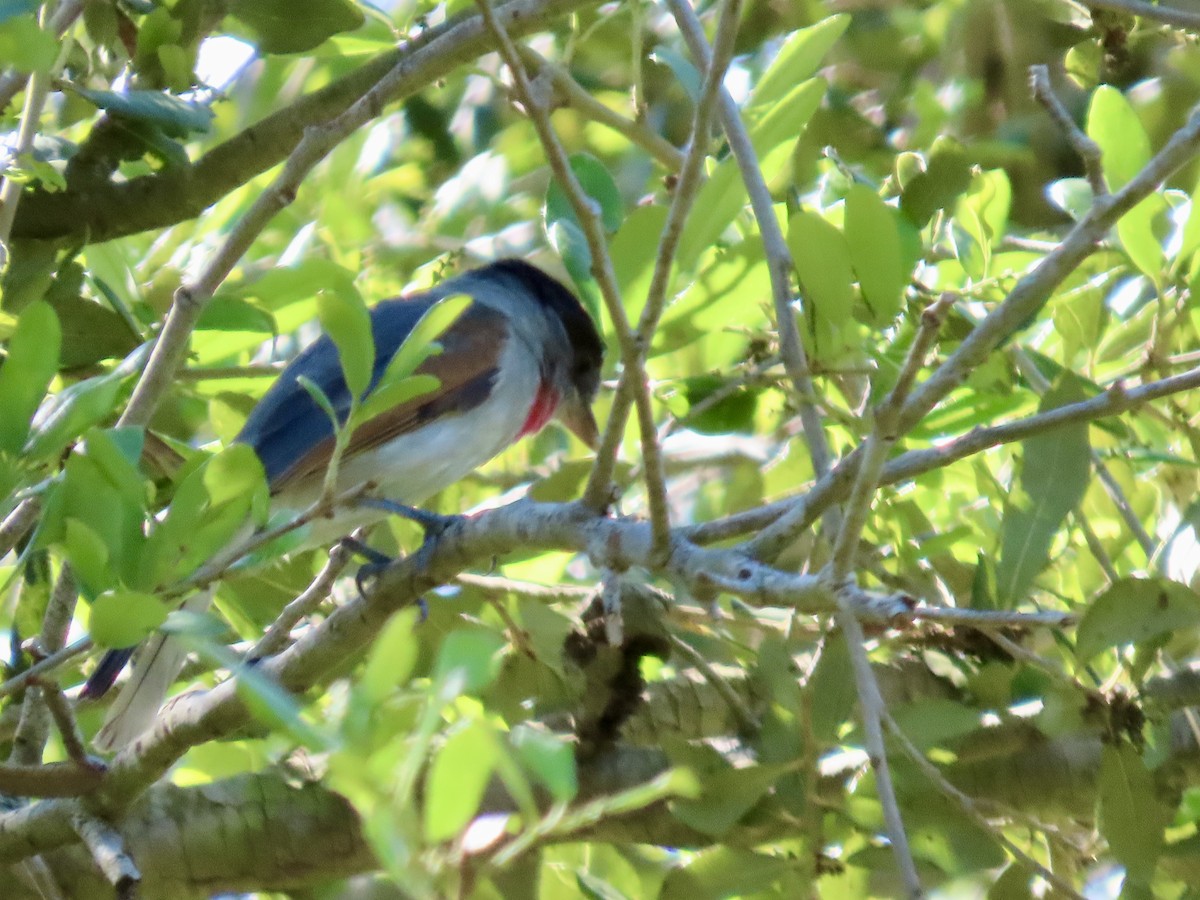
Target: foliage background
[1038, 736]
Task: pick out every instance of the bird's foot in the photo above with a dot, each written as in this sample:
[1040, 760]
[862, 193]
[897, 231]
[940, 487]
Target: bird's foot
[376, 562]
[433, 524]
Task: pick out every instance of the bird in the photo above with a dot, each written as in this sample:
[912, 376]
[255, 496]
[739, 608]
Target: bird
[523, 352]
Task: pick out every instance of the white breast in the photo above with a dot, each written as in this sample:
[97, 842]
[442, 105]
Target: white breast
[413, 467]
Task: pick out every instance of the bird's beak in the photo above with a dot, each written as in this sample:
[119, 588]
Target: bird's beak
[575, 413]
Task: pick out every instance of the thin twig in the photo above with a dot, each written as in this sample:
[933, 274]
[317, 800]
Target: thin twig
[1128, 515]
[1097, 549]
[217, 566]
[276, 636]
[885, 432]
[212, 373]
[59, 611]
[1022, 304]
[682, 200]
[493, 584]
[10, 189]
[985, 619]
[1088, 150]
[39, 705]
[33, 729]
[108, 850]
[576, 96]
[1027, 656]
[597, 494]
[23, 517]
[969, 806]
[44, 667]
[68, 727]
[805, 508]
[779, 257]
[747, 722]
[192, 298]
[872, 710]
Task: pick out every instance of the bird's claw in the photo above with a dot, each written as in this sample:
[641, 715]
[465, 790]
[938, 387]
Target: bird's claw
[433, 524]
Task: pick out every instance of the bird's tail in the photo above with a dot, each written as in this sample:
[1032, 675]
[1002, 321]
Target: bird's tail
[154, 671]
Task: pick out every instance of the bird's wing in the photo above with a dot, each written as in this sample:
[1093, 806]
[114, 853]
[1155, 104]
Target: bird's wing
[293, 436]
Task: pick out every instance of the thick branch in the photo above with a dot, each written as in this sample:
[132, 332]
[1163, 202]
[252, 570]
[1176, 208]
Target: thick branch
[177, 194]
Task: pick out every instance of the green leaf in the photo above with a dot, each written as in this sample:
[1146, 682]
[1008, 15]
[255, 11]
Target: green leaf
[468, 660]
[119, 468]
[1124, 144]
[176, 118]
[982, 212]
[421, 342]
[723, 195]
[832, 689]
[876, 253]
[88, 555]
[320, 398]
[90, 332]
[783, 122]
[345, 319]
[226, 312]
[634, 248]
[731, 872]
[549, 758]
[1055, 469]
[265, 698]
[822, 259]
[294, 26]
[235, 474]
[1072, 195]
[597, 183]
[728, 795]
[733, 412]
[457, 779]
[24, 45]
[685, 73]
[983, 584]
[279, 288]
[1135, 231]
[1130, 817]
[572, 246]
[124, 618]
[392, 395]
[31, 362]
[1190, 238]
[1133, 611]
[392, 658]
[946, 176]
[798, 59]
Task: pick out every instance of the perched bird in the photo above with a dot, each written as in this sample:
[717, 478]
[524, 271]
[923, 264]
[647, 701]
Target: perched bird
[523, 352]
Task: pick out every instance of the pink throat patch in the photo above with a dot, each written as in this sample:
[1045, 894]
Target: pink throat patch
[544, 404]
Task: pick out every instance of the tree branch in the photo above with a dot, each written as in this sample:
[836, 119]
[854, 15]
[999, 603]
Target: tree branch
[683, 197]
[176, 194]
[1022, 303]
[779, 257]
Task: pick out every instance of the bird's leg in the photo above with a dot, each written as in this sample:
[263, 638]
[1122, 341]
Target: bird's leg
[433, 524]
